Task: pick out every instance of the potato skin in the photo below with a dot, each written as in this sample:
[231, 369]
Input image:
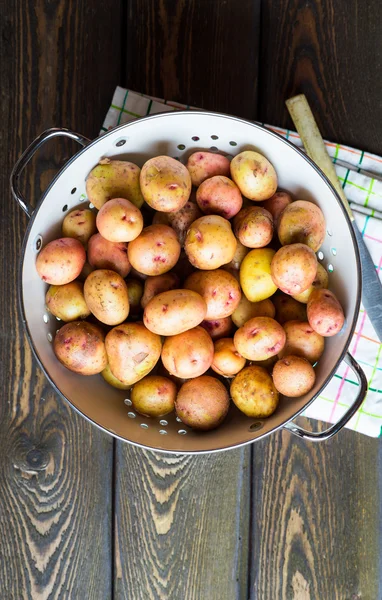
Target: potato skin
[132, 351]
[288, 309]
[219, 289]
[165, 184]
[210, 242]
[203, 165]
[155, 251]
[135, 293]
[112, 380]
[188, 354]
[218, 328]
[219, 195]
[154, 396]
[254, 175]
[302, 340]
[174, 312]
[79, 224]
[260, 338]
[320, 281]
[119, 220]
[103, 254]
[158, 284]
[294, 268]
[276, 205]
[253, 226]
[67, 301]
[106, 296]
[254, 393]
[114, 179]
[248, 310]
[181, 220]
[80, 347]
[227, 361]
[240, 253]
[61, 261]
[202, 403]
[255, 275]
[302, 222]
[293, 376]
[325, 314]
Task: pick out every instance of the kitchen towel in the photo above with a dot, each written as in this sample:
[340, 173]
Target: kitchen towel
[361, 176]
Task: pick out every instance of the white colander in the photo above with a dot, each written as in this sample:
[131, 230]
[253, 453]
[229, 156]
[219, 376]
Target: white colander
[178, 134]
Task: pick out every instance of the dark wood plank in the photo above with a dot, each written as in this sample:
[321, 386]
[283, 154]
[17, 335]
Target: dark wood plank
[55, 468]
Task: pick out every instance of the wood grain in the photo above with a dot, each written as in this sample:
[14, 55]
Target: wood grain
[55, 468]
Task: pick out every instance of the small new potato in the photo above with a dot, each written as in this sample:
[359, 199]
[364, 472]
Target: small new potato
[320, 281]
[254, 175]
[302, 222]
[293, 376]
[154, 396]
[240, 253]
[103, 254]
[203, 165]
[210, 242]
[79, 224]
[260, 338]
[112, 380]
[294, 268]
[255, 275]
[202, 403]
[227, 361]
[325, 313]
[254, 393]
[219, 289]
[302, 340]
[253, 226]
[135, 294]
[174, 312]
[119, 220]
[155, 251]
[188, 354]
[61, 261]
[114, 179]
[248, 310]
[157, 284]
[67, 301]
[219, 195]
[80, 347]
[218, 328]
[288, 309]
[181, 220]
[106, 296]
[165, 183]
[276, 205]
[132, 351]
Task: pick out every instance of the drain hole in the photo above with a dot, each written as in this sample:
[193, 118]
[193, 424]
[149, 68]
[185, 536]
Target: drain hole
[330, 268]
[334, 251]
[214, 137]
[50, 337]
[121, 143]
[45, 318]
[232, 143]
[127, 401]
[38, 243]
[144, 426]
[182, 432]
[73, 191]
[320, 255]
[163, 422]
[131, 415]
[195, 138]
[163, 432]
[65, 208]
[181, 147]
[256, 426]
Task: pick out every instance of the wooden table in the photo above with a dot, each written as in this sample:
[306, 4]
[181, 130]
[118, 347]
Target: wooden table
[83, 516]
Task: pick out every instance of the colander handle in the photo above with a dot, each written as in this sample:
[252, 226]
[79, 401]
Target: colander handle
[312, 436]
[27, 155]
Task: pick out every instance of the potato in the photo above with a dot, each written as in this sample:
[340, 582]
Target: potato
[202, 403]
[119, 220]
[80, 347]
[219, 196]
[260, 338]
[138, 275]
[293, 376]
[219, 289]
[161, 370]
[294, 268]
[240, 253]
[108, 255]
[174, 312]
[203, 165]
[183, 267]
[79, 224]
[302, 340]
[227, 361]
[160, 218]
[61, 261]
[106, 296]
[218, 328]
[253, 392]
[255, 275]
[154, 396]
[266, 364]
[181, 220]
[210, 242]
[288, 309]
[111, 380]
[325, 314]
[67, 301]
[165, 183]
[253, 226]
[248, 310]
[254, 175]
[114, 179]
[135, 294]
[132, 351]
[276, 205]
[86, 270]
[302, 222]
[188, 354]
[320, 281]
[157, 284]
[155, 251]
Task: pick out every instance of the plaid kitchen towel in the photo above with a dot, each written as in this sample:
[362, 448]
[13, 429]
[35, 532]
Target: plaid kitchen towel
[361, 177]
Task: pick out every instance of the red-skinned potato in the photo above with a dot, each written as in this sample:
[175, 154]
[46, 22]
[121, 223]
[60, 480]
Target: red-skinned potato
[79, 224]
[155, 251]
[294, 268]
[210, 242]
[288, 309]
[165, 184]
[293, 376]
[203, 165]
[302, 340]
[253, 226]
[248, 310]
[106, 296]
[219, 196]
[202, 403]
[61, 261]
[103, 254]
[157, 284]
[227, 361]
[174, 312]
[302, 222]
[154, 396]
[119, 220]
[325, 314]
[188, 354]
[114, 179]
[181, 220]
[219, 289]
[67, 301]
[260, 338]
[80, 347]
[254, 175]
[276, 205]
[254, 393]
[218, 328]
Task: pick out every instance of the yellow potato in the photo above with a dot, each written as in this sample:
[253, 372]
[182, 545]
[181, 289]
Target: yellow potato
[325, 313]
[106, 296]
[114, 179]
[210, 242]
[108, 255]
[188, 354]
[80, 347]
[248, 310]
[155, 251]
[255, 275]
[67, 301]
[294, 268]
[119, 220]
[203, 165]
[157, 284]
[154, 396]
[218, 328]
[254, 175]
[253, 226]
[202, 403]
[61, 261]
[254, 393]
[288, 309]
[79, 224]
[260, 338]
[174, 311]
[219, 289]
[293, 376]
[165, 183]
[302, 222]
[320, 281]
[112, 380]
[227, 361]
[302, 340]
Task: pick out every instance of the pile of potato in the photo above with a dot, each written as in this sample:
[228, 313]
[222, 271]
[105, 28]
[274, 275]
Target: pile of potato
[189, 280]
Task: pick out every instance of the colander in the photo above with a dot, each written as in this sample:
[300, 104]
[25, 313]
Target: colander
[178, 134]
